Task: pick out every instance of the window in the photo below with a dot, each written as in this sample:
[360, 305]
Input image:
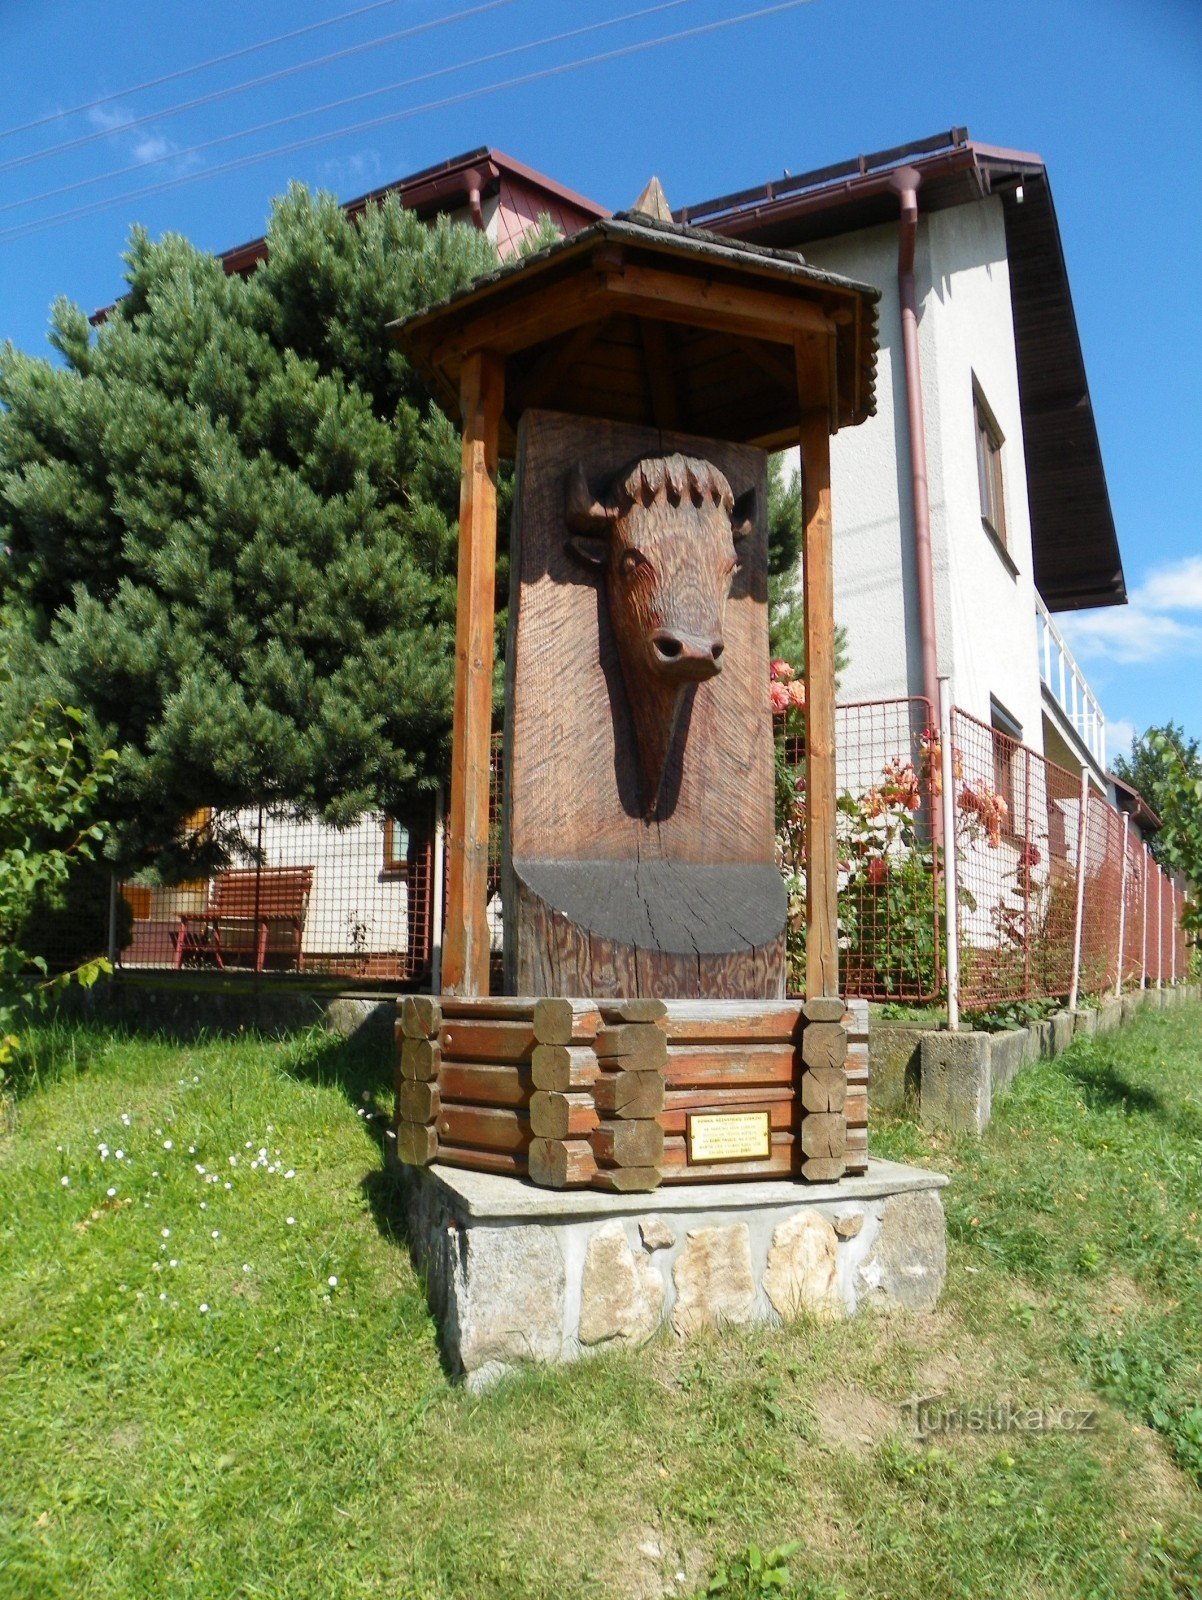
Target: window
[1007, 756]
[989, 466]
[396, 847]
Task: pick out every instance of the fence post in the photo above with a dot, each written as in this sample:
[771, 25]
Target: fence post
[112, 940]
[1143, 933]
[951, 913]
[1075, 986]
[1159, 928]
[437, 890]
[1118, 982]
[1173, 940]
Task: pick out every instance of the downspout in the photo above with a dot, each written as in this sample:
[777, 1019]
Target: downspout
[906, 181]
[475, 204]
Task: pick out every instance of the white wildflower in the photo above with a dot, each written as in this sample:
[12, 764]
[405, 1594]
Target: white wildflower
[65, 1181]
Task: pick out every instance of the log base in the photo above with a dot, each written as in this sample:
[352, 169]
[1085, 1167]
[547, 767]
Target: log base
[607, 1093]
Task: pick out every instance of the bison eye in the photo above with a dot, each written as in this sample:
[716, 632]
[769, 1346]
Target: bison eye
[632, 561]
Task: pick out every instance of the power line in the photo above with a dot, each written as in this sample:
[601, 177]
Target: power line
[338, 105]
[200, 66]
[542, 74]
[251, 83]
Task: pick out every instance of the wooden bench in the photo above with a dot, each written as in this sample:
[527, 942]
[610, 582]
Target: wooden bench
[266, 905]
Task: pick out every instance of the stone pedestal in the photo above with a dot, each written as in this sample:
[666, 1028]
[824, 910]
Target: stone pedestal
[518, 1274]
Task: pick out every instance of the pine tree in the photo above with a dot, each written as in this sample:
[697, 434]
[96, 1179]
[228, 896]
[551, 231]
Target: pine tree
[231, 520]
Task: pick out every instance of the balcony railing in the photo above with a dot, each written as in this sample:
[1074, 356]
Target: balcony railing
[1066, 683]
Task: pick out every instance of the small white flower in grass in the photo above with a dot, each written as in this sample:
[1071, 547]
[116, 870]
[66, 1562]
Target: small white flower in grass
[233, 1161]
[246, 1266]
[173, 1262]
[125, 1118]
[168, 1144]
[204, 1205]
[248, 1145]
[166, 1233]
[217, 1233]
[163, 1295]
[291, 1173]
[65, 1181]
[111, 1193]
[200, 1169]
[158, 1133]
[120, 1154]
[289, 1220]
[228, 1186]
[191, 1149]
[203, 1307]
[332, 1281]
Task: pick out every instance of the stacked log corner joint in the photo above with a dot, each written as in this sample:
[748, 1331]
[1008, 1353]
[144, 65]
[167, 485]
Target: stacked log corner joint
[597, 1093]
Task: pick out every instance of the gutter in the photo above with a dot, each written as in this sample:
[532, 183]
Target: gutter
[906, 181]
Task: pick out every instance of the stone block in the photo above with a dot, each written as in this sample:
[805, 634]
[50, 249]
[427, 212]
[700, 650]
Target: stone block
[956, 1081]
[1031, 1046]
[908, 1263]
[714, 1281]
[505, 1300]
[1085, 1021]
[894, 1055]
[1131, 1005]
[801, 1275]
[1110, 1013]
[621, 1293]
[1062, 1031]
[1046, 1034]
[656, 1234]
[1005, 1059]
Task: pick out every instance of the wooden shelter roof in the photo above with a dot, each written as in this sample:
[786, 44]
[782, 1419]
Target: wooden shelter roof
[650, 322]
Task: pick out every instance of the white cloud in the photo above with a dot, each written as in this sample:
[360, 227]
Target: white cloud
[110, 119]
[151, 147]
[1120, 735]
[1146, 628]
[1130, 633]
[1177, 587]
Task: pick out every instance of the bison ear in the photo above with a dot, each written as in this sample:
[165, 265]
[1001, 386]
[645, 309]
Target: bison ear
[592, 552]
[586, 514]
[742, 518]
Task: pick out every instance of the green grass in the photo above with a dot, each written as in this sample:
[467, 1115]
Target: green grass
[299, 1438]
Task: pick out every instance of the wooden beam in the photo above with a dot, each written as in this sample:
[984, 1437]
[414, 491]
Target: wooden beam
[467, 943]
[822, 872]
[775, 315]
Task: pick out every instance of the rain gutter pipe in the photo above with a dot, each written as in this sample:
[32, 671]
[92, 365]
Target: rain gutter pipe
[906, 181]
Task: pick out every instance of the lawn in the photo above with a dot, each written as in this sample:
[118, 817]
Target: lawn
[218, 1376]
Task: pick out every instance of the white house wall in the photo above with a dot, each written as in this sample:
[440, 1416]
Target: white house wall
[985, 616]
[349, 884]
[875, 579]
[987, 612]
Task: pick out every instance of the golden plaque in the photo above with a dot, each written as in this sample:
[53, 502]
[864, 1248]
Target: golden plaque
[729, 1136]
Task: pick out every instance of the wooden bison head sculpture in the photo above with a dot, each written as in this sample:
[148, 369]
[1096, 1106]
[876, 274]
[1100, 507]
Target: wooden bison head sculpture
[665, 533]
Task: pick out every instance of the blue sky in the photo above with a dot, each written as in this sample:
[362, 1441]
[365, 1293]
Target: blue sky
[1108, 92]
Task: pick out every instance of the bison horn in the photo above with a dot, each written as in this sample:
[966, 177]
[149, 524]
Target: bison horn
[586, 514]
[742, 520]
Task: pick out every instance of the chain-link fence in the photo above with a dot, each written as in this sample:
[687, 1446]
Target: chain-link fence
[1057, 893]
[890, 894]
[296, 896]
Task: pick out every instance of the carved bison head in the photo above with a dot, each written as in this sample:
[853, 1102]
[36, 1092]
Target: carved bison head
[665, 535]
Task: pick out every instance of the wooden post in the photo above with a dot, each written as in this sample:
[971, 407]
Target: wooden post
[822, 873]
[466, 952]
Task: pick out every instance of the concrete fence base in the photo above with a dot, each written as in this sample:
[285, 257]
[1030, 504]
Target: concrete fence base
[954, 1078]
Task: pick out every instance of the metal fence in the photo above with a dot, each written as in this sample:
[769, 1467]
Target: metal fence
[297, 896]
[890, 891]
[1056, 893]
[1057, 896]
